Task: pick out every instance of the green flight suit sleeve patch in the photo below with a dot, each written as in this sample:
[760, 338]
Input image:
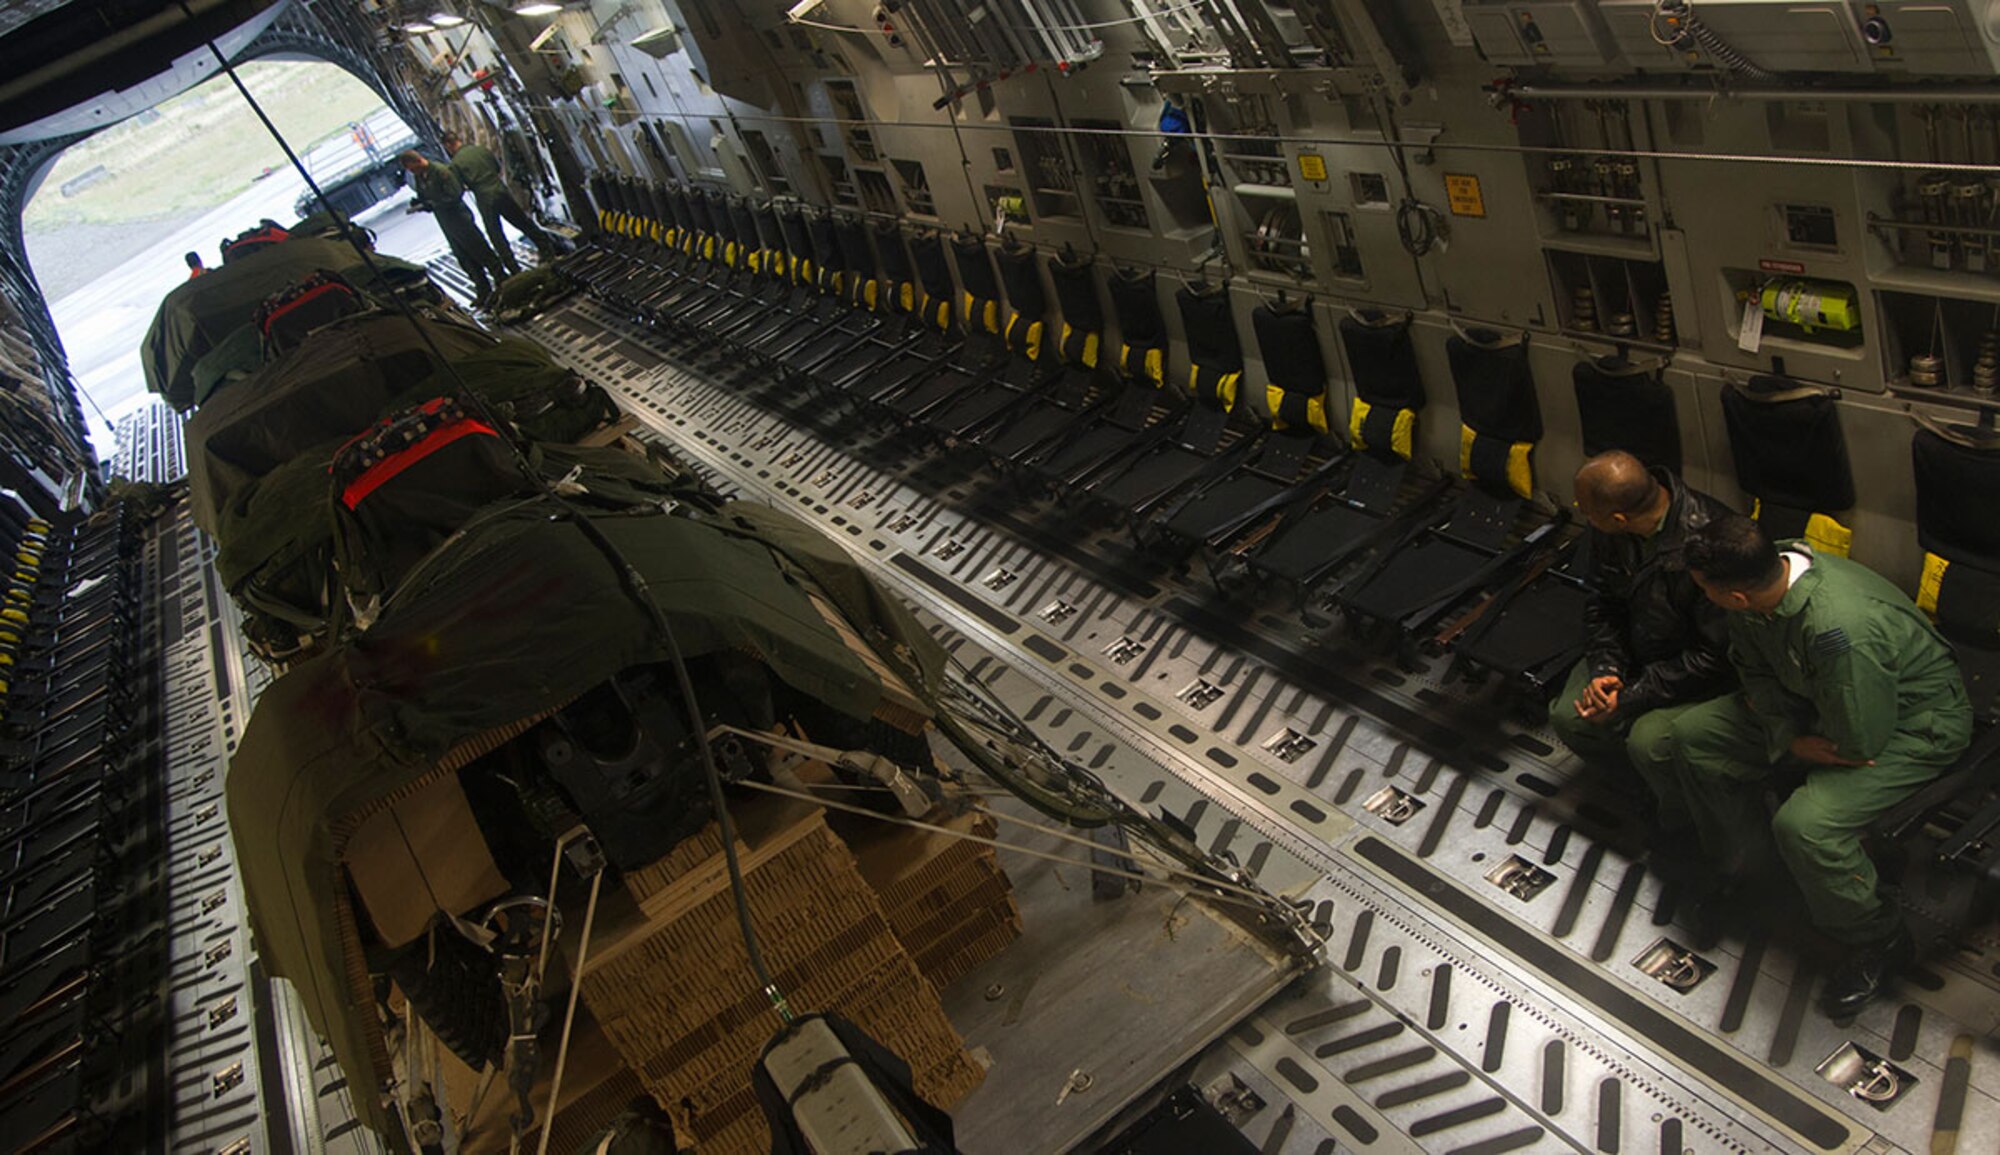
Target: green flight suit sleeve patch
[1830, 644]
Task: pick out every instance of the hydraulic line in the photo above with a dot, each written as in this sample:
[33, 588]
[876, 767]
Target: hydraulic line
[1681, 13]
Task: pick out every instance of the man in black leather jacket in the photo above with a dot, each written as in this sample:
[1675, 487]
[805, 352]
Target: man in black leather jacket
[1655, 644]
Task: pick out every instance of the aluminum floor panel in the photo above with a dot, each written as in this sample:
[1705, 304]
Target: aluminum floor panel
[1274, 746]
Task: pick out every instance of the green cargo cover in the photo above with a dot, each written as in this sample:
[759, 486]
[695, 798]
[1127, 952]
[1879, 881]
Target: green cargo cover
[335, 384]
[201, 313]
[516, 616]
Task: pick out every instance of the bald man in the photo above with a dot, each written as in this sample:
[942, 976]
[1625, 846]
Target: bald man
[1655, 645]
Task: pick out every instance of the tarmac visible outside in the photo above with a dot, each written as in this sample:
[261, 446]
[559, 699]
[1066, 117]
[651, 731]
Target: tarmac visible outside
[103, 324]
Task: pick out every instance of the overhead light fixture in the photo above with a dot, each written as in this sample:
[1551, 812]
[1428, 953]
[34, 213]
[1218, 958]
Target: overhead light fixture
[540, 8]
[656, 42]
[444, 19]
[419, 27]
[546, 35]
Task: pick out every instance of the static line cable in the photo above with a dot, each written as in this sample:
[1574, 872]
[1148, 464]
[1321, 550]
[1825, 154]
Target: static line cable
[804, 23]
[1119, 23]
[629, 576]
[1223, 892]
[807, 749]
[1091, 27]
[1457, 146]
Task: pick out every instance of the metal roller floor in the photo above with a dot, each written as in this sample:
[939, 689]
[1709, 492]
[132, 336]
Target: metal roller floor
[1495, 953]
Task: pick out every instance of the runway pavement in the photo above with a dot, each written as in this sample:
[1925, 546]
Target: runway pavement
[103, 325]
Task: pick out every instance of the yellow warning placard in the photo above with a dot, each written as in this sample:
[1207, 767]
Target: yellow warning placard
[1461, 191]
[1312, 166]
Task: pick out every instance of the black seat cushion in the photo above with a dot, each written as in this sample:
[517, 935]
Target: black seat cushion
[1295, 372]
[1384, 363]
[1955, 488]
[857, 256]
[798, 240]
[1628, 410]
[1215, 355]
[1142, 331]
[828, 261]
[1027, 303]
[1501, 416]
[1496, 393]
[742, 225]
[1022, 276]
[980, 300]
[773, 231]
[1788, 452]
[1960, 536]
[892, 250]
[975, 268]
[1082, 312]
[934, 278]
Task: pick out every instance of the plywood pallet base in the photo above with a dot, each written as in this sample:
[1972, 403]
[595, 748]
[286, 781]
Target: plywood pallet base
[673, 991]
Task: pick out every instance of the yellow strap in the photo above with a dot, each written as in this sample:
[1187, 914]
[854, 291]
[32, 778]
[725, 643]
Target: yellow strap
[1931, 582]
[1153, 366]
[1829, 536]
[908, 296]
[1274, 401]
[1403, 439]
[1225, 387]
[1356, 419]
[1520, 467]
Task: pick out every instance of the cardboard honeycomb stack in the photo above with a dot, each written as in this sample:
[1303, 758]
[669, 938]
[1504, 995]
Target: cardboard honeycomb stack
[947, 899]
[674, 993]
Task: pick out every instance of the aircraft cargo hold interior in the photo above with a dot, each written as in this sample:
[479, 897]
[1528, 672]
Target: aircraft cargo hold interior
[1281, 577]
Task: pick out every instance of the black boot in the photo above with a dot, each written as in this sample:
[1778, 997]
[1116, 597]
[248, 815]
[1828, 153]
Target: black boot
[1865, 971]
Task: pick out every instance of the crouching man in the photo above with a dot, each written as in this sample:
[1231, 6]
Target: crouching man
[1844, 678]
[1655, 645]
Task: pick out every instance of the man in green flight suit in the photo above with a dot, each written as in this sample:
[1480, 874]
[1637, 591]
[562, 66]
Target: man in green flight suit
[438, 189]
[1844, 678]
[476, 166]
